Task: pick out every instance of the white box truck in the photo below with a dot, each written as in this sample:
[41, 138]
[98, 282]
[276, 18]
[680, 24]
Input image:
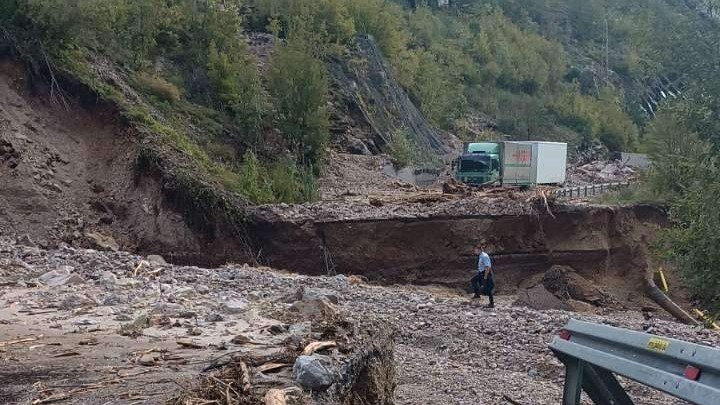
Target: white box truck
[521, 163]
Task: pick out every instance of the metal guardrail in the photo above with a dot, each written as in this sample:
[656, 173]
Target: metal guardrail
[593, 353]
[590, 189]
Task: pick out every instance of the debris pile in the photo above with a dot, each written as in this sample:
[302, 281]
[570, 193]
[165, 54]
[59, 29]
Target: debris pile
[166, 322]
[253, 335]
[418, 204]
[349, 175]
[601, 172]
[561, 287]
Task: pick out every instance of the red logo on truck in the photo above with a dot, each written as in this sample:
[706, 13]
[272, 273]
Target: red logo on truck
[521, 156]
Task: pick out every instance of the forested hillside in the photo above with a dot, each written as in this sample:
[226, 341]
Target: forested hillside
[627, 75]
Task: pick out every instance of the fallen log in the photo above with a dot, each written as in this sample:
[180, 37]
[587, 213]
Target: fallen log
[655, 294]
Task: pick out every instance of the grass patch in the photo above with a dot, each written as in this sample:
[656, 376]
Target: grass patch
[636, 193]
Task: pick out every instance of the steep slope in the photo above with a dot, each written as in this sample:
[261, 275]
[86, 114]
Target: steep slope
[364, 88]
[77, 173]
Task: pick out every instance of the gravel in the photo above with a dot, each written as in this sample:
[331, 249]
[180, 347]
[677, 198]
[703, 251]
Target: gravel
[449, 350]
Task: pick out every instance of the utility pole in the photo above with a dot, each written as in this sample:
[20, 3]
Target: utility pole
[607, 50]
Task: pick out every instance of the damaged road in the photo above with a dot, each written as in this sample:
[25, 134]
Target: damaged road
[122, 328]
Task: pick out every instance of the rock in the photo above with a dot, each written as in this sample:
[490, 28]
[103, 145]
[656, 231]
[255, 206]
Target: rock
[73, 301]
[84, 322]
[233, 306]
[278, 329]
[357, 147]
[315, 308]
[565, 282]
[102, 242]
[312, 374]
[147, 360]
[156, 259]
[319, 293]
[580, 306]
[135, 328]
[167, 308]
[62, 276]
[213, 317]
[113, 299]
[186, 292]
[130, 282]
[202, 289]
[108, 279]
[300, 332]
[26, 241]
[187, 314]
[190, 344]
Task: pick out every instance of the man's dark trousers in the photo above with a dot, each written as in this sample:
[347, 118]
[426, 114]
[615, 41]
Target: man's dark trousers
[488, 285]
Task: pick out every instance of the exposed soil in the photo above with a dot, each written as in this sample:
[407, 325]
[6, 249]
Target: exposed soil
[72, 174]
[603, 244]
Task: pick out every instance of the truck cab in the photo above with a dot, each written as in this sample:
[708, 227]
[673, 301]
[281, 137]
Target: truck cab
[479, 163]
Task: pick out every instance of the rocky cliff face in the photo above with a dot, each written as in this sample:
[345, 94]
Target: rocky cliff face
[370, 105]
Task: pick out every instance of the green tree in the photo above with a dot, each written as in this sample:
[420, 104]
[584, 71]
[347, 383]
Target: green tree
[236, 84]
[298, 86]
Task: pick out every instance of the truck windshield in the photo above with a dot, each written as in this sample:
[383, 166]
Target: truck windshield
[473, 166]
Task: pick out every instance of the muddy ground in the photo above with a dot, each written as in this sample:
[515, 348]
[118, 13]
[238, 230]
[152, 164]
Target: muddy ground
[447, 349]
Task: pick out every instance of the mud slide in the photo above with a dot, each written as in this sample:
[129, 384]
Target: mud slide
[601, 243]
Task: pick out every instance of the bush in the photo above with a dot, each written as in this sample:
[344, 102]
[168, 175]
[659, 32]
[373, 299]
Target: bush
[254, 184]
[158, 87]
[285, 181]
[401, 149]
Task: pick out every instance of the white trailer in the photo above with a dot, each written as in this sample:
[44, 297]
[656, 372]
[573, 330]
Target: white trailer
[534, 162]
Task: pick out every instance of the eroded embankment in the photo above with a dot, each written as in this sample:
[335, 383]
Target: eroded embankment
[596, 241]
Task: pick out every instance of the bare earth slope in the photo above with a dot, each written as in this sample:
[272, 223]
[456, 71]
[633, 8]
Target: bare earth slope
[68, 174]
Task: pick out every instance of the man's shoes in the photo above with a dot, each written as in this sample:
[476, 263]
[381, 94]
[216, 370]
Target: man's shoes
[476, 296]
[490, 306]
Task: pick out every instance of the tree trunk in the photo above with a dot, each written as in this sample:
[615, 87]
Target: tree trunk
[665, 302]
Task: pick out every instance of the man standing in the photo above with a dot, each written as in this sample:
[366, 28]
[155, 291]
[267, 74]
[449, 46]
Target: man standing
[484, 277]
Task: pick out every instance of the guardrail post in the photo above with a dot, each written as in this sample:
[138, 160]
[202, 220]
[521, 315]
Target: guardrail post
[573, 381]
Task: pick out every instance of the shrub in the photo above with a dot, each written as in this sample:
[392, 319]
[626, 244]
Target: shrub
[401, 149]
[158, 87]
[285, 180]
[253, 181]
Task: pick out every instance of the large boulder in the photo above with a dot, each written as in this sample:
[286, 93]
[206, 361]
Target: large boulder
[62, 276]
[312, 374]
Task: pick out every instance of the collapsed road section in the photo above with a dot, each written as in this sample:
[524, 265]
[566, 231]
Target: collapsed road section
[416, 242]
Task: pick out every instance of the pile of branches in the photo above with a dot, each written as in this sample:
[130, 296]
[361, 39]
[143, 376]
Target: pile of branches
[229, 385]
